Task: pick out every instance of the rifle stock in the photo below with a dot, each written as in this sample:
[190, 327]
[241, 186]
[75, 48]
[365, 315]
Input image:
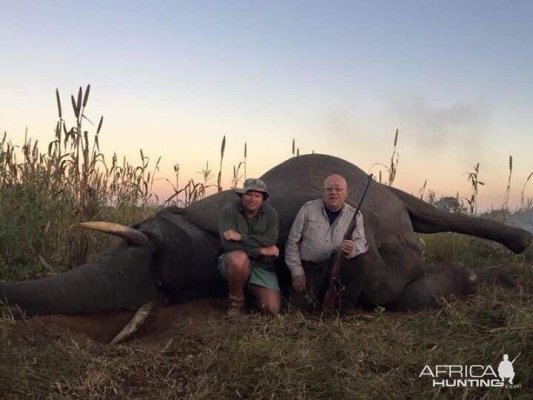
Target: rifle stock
[331, 297]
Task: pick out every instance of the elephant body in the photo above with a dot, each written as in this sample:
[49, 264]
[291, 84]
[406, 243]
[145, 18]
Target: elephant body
[179, 258]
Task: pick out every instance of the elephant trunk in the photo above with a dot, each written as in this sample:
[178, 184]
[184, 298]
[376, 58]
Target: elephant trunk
[120, 280]
[428, 219]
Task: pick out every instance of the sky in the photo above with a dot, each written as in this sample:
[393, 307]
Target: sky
[338, 77]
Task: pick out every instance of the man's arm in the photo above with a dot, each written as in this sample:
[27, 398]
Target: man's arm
[251, 244]
[226, 222]
[263, 244]
[267, 238]
[292, 246]
[359, 238]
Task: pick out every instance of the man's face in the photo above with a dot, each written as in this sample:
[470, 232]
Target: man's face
[252, 201]
[335, 192]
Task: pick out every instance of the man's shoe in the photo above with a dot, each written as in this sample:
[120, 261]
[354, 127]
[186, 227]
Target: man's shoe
[235, 307]
[234, 311]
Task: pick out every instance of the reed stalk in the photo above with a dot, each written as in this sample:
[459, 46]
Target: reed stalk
[505, 204]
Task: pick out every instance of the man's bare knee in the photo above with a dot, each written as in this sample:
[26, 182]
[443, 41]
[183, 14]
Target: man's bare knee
[270, 304]
[238, 262]
[238, 257]
[272, 308]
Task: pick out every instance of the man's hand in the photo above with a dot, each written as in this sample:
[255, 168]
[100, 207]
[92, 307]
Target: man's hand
[270, 251]
[299, 283]
[232, 235]
[347, 246]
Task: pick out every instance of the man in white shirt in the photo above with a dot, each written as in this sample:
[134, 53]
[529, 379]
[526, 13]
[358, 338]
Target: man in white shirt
[316, 234]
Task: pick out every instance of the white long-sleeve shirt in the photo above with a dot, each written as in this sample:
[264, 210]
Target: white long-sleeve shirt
[313, 239]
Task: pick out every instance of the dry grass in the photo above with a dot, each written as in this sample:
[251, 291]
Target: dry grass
[45, 193]
[376, 355]
[392, 168]
[475, 183]
[370, 355]
[505, 204]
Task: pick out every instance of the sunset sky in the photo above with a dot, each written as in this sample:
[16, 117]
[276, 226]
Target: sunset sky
[173, 77]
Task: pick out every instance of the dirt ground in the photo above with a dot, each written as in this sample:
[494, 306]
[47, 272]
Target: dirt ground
[193, 317]
[102, 327]
[193, 351]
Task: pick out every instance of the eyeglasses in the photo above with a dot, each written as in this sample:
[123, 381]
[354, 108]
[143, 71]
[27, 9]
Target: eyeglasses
[336, 189]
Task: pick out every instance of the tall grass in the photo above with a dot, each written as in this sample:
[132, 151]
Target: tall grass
[194, 191]
[505, 203]
[523, 201]
[237, 175]
[219, 178]
[392, 168]
[45, 193]
[475, 183]
[422, 190]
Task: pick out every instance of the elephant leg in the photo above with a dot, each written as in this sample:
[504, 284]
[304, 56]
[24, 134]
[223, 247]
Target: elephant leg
[379, 276]
[434, 283]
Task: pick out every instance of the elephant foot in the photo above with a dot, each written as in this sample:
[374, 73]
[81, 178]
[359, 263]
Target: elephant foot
[437, 281]
[496, 275]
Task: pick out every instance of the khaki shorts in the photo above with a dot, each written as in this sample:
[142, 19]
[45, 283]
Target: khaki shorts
[259, 276]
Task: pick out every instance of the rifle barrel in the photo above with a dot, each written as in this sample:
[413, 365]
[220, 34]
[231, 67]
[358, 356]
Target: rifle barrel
[353, 223]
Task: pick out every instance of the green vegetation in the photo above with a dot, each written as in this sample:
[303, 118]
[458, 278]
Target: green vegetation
[374, 354]
[43, 195]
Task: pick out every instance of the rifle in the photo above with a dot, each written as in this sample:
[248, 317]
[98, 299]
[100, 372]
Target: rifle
[331, 298]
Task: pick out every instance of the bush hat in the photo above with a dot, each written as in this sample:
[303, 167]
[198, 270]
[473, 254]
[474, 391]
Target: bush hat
[255, 185]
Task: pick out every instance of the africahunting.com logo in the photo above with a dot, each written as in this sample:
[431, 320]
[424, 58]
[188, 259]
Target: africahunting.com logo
[476, 375]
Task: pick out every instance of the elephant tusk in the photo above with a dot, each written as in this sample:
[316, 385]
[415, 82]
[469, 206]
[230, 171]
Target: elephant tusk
[132, 236]
[135, 322]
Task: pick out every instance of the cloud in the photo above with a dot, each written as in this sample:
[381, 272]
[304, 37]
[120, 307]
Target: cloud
[437, 127]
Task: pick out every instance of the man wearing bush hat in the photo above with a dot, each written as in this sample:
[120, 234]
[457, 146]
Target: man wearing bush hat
[248, 229]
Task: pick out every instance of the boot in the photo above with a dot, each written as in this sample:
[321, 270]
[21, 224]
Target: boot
[235, 305]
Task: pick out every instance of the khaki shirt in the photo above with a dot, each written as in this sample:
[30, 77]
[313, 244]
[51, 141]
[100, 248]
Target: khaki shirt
[313, 239]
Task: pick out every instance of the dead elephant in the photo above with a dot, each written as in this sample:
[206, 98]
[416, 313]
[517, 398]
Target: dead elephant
[174, 252]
